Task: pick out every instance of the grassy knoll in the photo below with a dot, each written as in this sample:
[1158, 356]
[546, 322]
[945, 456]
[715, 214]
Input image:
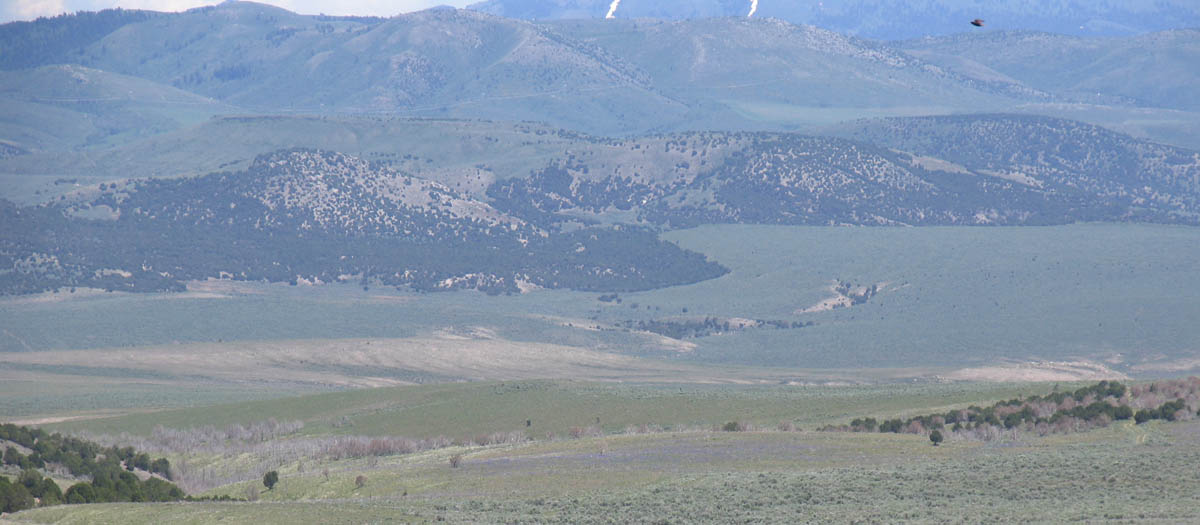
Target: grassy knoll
[463, 410]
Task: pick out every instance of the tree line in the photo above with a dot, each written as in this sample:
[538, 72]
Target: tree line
[111, 471]
[1086, 407]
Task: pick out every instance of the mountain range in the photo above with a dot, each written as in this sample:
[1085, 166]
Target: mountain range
[611, 77]
[453, 148]
[884, 19]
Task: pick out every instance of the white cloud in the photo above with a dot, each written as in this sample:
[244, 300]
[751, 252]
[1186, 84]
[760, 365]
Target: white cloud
[29, 9]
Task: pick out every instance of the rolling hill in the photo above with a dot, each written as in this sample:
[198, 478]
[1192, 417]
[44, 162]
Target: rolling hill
[434, 62]
[68, 107]
[1150, 70]
[319, 217]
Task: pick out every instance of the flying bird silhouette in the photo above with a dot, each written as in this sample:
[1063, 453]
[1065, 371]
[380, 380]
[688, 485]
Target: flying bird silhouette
[977, 22]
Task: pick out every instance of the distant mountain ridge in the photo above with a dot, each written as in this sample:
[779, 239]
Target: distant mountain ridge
[884, 19]
[613, 77]
[1135, 70]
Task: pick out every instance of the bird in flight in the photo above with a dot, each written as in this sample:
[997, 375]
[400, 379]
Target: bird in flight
[977, 22]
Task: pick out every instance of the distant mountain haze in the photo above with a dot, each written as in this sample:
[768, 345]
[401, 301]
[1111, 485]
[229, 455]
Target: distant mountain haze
[609, 77]
[887, 19]
[32, 9]
[612, 76]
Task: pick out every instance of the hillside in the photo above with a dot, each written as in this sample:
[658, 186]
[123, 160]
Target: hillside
[891, 19]
[319, 217]
[436, 62]
[534, 451]
[587, 75]
[54, 40]
[68, 107]
[770, 64]
[1151, 70]
[998, 169]
[618, 77]
[963, 170]
[1053, 155]
[448, 150]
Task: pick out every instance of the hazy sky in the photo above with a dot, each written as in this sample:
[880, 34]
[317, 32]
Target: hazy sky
[29, 9]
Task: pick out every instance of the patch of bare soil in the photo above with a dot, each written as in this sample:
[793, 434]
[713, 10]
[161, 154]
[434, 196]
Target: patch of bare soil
[1037, 371]
[468, 354]
[1172, 366]
[845, 295]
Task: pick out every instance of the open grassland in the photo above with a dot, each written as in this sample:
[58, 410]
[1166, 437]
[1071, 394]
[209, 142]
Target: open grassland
[38, 398]
[37, 385]
[962, 303]
[214, 446]
[465, 410]
[1124, 473]
[949, 297]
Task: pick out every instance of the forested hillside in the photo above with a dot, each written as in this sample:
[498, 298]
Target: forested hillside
[321, 217]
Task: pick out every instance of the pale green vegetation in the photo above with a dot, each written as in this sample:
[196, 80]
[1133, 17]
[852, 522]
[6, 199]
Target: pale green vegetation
[1124, 473]
[465, 410]
[595, 452]
[950, 297]
[65, 396]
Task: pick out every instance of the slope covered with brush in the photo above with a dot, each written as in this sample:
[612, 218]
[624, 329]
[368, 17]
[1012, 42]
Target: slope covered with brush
[315, 216]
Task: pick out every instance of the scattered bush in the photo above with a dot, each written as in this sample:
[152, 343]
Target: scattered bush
[1087, 407]
[455, 460]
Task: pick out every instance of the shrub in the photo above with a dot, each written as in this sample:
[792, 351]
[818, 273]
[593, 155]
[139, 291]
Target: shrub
[1142, 416]
[81, 492]
[455, 460]
[14, 496]
[360, 481]
[252, 493]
